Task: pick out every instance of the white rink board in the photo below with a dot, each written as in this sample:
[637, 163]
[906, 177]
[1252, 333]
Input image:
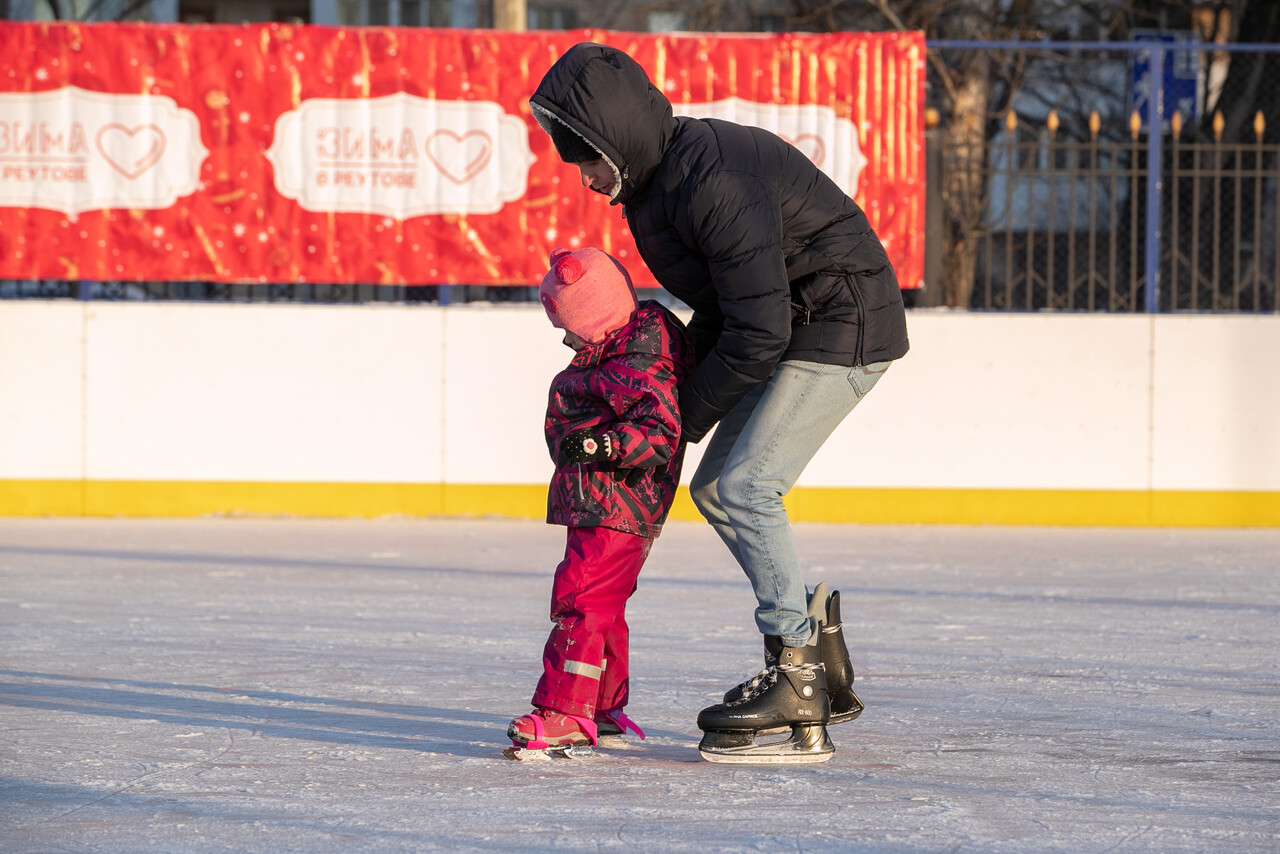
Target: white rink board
[1217, 404]
[263, 393]
[499, 365]
[41, 390]
[1002, 402]
[456, 395]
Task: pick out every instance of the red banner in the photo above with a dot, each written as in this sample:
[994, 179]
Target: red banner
[279, 153]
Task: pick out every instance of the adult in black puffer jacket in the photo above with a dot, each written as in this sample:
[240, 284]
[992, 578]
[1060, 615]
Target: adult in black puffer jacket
[796, 308]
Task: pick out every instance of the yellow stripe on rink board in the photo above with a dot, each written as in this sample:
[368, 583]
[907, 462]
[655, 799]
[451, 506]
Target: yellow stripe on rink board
[1101, 508]
[1216, 509]
[510, 502]
[1090, 508]
[209, 498]
[41, 498]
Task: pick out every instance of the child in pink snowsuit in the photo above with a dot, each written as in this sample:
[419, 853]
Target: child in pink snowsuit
[613, 430]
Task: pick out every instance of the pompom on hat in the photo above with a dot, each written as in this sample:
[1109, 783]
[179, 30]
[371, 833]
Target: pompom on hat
[587, 293]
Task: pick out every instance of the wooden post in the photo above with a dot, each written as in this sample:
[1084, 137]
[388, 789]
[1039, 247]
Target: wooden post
[509, 15]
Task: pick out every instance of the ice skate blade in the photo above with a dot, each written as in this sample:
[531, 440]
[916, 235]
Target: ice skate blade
[808, 743]
[544, 754]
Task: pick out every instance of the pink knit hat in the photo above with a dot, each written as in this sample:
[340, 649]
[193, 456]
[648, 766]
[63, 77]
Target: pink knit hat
[587, 293]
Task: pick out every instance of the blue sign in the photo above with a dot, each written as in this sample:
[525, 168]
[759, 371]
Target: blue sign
[1181, 79]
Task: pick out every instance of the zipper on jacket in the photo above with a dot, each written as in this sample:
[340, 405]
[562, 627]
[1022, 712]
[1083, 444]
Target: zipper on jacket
[582, 496]
[800, 314]
[862, 322]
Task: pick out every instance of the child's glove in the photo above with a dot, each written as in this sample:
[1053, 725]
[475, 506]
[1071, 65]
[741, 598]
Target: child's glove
[583, 446]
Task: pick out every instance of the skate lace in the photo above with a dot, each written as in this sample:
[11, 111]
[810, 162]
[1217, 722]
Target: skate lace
[767, 677]
[752, 685]
[756, 684]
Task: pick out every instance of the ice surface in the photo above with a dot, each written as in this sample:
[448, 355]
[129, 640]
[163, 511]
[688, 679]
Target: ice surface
[311, 685]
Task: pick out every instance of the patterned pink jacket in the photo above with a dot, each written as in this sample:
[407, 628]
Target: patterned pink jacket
[626, 386]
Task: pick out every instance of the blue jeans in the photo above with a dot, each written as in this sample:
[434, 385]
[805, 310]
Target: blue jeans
[754, 458]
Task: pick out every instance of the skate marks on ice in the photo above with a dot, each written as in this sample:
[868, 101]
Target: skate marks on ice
[1027, 691]
[229, 713]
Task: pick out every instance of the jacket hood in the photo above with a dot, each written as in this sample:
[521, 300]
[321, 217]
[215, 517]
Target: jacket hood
[604, 96]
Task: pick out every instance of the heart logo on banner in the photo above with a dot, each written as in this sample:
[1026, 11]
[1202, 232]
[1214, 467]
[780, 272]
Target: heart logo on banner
[460, 157]
[811, 146]
[131, 151]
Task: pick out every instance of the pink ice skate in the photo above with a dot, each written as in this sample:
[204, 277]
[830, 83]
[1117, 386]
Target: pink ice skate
[545, 734]
[613, 724]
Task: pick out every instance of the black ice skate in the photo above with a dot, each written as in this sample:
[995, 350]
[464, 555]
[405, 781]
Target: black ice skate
[824, 610]
[845, 705]
[790, 694]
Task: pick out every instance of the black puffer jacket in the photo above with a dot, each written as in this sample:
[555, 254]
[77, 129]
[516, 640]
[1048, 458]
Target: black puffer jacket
[774, 259]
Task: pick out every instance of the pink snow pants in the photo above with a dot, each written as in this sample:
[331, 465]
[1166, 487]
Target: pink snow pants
[584, 664]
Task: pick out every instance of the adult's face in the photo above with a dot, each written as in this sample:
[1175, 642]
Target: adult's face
[598, 175]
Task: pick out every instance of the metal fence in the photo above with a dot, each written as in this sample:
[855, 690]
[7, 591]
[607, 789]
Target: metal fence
[1052, 206]
[1047, 205]
[1084, 247]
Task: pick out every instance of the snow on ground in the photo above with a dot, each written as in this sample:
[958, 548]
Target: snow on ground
[306, 685]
